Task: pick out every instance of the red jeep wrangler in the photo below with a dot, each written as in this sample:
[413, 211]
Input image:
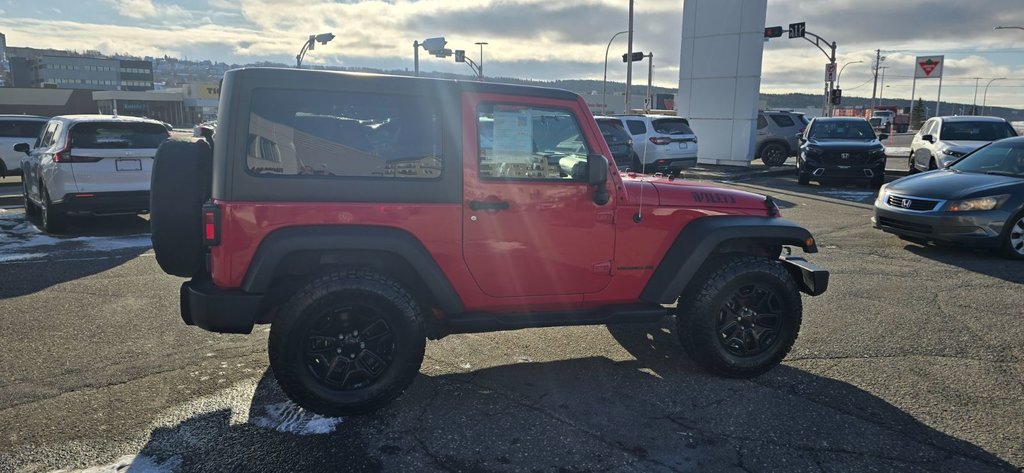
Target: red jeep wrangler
[361, 214]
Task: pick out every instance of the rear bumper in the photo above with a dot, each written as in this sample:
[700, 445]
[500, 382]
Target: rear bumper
[664, 165]
[218, 310]
[106, 202]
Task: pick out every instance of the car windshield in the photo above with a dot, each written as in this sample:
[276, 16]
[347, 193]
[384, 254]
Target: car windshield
[98, 135]
[672, 126]
[613, 131]
[842, 130]
[976, 131]
[1005, 159]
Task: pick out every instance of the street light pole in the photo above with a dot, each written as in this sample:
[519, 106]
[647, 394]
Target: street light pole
[974, 107]
[629, 52]
[322, 38]
[649, 101]
[480, 67]
[984, 99]
[604, 86]
[841, 69]
[416, 57]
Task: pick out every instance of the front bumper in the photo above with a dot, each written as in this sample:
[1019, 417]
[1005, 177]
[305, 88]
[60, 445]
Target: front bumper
[979, 229]
[828, 169]
[106, 203]
[811, 278]
[218, 310]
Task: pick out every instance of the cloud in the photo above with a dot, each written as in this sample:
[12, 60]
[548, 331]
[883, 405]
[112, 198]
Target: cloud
[137, 9]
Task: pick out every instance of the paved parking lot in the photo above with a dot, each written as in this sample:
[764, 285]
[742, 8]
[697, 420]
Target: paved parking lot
[911, 362]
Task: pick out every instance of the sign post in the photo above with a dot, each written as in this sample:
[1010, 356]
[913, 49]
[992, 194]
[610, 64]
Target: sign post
[927, 67]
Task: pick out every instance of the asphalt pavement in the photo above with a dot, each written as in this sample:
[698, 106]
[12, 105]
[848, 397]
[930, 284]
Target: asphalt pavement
[911, 362]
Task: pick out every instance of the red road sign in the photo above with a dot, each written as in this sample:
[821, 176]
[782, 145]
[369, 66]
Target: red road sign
[929, 66]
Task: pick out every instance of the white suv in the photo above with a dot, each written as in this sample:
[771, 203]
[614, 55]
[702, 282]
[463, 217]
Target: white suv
[943, 140]
[93, 164]
[16, 129]
[663, 143]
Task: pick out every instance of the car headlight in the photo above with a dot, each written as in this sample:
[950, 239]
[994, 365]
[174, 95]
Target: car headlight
[949, 152]
[813, 151]
[977, 203]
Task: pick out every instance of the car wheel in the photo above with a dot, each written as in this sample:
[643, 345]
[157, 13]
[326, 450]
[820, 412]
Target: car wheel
[931, 164]
[31, 209]
[637, 166]
[347, 343]
[54, 219]
[911, 168]
[742, 317]
[1013, 238]
[877, 181]
[773, 154]
[803, 178]
[179, 185]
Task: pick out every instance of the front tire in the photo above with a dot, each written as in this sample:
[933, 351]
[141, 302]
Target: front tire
[1012, 244]
[742, 317]
[31, 209]
[911, 167]
[347, 343]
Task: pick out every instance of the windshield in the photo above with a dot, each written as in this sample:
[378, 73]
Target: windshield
[976, 131]
[672, 126]
[613, 131]
[842, 130]
[998, 158]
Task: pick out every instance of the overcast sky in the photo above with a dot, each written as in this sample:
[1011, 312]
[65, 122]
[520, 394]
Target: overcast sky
[546, 39]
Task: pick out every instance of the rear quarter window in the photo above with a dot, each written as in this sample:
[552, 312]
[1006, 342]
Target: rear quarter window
[106, 135]
[343, 134]
[636, 127]
[783, 120]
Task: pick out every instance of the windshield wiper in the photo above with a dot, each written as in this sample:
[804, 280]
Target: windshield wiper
[1004, 173]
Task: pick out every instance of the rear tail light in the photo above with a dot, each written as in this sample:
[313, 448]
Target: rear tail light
[65, 156]
[660, 140]
[211, 224]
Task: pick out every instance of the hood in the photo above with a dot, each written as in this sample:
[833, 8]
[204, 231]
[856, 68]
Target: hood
[950, 185]
[684, 193]
[845, 145]
[964, 146]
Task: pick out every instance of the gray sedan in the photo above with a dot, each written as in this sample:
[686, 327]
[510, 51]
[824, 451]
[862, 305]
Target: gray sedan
[977, 201]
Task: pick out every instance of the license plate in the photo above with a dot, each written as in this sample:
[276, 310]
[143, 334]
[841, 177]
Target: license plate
[683, 145]
[128, 164]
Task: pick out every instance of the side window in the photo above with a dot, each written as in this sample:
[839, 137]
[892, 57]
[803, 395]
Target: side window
[527, 142]
[344, 135]
[783, 120]
[46, 137]
[636, 127]
[762, 123]
[927, 128]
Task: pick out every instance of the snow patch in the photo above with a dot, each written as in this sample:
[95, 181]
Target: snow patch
[855, 196]
[288, 417]
[133, 463]
[6, 258]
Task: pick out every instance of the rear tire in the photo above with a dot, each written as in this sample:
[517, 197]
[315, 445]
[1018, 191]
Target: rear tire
[742, 317]
[773, 154]
[347, 343]
[180, 184]
[52, 217]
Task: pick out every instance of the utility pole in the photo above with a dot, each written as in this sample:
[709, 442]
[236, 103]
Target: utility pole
[974, 108]
[629, 51]
[881, 89]
[649, 101]
[874, 89]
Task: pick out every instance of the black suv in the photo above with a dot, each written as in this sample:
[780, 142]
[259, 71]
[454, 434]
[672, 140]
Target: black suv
[841, 148]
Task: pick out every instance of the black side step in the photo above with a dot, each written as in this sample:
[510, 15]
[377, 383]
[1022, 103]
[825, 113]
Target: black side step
[490, 322]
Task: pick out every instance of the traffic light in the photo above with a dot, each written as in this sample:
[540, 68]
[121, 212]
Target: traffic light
[773, 32]
[460, 55]
[837, 96]
[637, 56]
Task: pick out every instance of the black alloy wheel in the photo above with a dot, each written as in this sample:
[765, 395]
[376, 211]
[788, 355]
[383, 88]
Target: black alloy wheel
[750, 320]
[773, 154]
[349, 347]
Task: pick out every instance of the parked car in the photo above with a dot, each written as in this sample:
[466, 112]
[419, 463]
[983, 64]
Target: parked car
[841, 148]
[414, 229]
[16, 129]
[662, 143]
[977, 201]
[943, 140]
[91, 164]
[777, 132]
[619, 142]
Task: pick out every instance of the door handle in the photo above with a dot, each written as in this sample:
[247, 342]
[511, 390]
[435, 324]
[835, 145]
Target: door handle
[490, 205]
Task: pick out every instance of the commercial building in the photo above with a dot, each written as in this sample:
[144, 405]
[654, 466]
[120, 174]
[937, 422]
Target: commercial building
[81, 72]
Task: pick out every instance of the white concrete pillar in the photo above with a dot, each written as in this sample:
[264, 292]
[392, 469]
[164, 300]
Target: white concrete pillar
[720, 76]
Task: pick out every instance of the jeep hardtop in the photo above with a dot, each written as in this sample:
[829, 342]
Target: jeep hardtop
[361, 214]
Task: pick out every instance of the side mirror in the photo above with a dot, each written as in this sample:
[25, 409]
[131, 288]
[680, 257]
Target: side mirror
[597, 175]
[21, 148]
[800, 138]
[883, 136]
[928, 138]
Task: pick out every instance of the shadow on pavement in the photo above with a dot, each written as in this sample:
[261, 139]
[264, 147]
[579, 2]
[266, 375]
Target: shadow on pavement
[31, 260]
[655, 413]
[974, 260]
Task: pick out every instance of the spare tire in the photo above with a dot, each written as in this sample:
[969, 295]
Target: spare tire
[180, 184]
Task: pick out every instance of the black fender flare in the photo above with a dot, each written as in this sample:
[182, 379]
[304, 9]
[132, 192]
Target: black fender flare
[699, 240]
[276, 246]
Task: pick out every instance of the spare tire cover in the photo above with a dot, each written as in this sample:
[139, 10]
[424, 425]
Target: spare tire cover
[180, 184]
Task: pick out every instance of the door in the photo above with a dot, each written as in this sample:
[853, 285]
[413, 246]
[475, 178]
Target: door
[922, 149]
[529, 227]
